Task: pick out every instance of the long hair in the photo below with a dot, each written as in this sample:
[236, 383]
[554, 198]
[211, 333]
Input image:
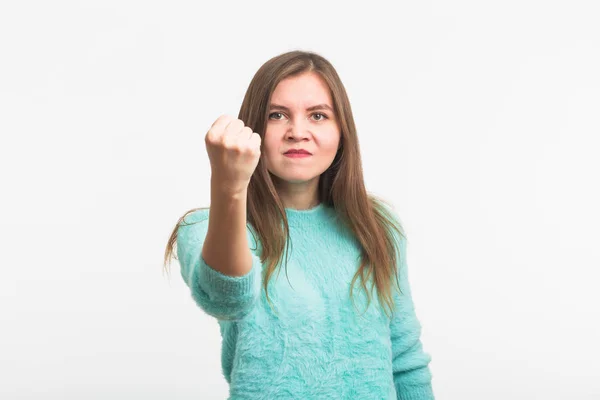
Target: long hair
[341, 186]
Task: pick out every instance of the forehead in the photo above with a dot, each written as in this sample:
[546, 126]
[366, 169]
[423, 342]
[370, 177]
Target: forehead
[306, 89]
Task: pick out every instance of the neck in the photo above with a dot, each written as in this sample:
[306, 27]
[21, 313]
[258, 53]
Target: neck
[298, 196]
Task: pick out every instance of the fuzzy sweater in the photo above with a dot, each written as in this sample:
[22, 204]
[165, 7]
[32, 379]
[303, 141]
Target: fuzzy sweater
[315, 343]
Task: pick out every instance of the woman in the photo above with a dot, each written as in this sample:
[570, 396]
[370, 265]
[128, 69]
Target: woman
[287, 184]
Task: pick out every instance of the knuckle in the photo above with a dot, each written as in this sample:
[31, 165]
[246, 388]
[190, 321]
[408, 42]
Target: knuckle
[213, 130]
[234, 126]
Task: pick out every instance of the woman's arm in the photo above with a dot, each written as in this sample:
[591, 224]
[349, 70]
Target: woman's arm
[412, 377]
[226, 246]
[216, 261]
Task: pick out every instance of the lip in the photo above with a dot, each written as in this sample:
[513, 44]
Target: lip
[297, 151]
[297, 155]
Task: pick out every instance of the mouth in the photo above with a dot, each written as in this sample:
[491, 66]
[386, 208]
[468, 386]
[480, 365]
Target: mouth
[296, 154]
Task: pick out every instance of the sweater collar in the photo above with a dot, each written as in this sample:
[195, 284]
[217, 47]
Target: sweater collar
[317, 215]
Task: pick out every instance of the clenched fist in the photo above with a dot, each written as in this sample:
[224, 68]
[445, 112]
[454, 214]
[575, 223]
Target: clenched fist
[234, 151]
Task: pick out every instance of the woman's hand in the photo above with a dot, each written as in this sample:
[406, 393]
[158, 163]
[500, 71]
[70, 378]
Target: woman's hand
[234, 151]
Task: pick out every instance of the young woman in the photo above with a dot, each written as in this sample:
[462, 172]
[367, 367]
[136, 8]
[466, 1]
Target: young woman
[287, 192]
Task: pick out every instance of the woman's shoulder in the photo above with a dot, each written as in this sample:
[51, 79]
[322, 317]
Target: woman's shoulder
[392, 220]
[193, 224]
[196, 215]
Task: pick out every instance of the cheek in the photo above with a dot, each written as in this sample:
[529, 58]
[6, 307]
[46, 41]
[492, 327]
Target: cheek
[267, 140]
[269, 147]
[330, 142]
[270, 150]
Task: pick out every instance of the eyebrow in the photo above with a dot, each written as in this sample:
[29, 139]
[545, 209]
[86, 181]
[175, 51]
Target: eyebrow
[312, 108]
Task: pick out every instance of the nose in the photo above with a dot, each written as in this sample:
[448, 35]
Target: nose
[297, 130]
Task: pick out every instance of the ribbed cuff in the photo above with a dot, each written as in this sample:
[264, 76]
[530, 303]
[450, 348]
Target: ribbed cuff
[415, 393]
[229, 289]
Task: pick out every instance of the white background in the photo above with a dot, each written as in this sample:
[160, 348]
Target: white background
[478, 120]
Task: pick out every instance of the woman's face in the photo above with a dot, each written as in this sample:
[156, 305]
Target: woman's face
[301, 117]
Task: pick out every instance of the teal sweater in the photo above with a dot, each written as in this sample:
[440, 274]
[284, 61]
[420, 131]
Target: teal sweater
[314, 343]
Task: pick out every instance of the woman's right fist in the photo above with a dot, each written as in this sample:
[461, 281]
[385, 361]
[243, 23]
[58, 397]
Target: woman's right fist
[234, 151]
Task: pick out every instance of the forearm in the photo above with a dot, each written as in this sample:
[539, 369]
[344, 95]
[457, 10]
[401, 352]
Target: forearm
[226, 247]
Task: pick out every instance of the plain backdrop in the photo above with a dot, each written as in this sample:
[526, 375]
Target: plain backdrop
[478, 120]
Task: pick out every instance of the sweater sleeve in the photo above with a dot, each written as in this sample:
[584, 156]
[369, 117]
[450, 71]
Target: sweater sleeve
[222, 296]
[412, 377]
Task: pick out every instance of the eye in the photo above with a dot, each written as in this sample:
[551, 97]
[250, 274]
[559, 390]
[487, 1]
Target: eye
[275, 113]
[322, 115]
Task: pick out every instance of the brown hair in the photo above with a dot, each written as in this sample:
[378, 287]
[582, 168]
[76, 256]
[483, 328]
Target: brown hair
[340, 186]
